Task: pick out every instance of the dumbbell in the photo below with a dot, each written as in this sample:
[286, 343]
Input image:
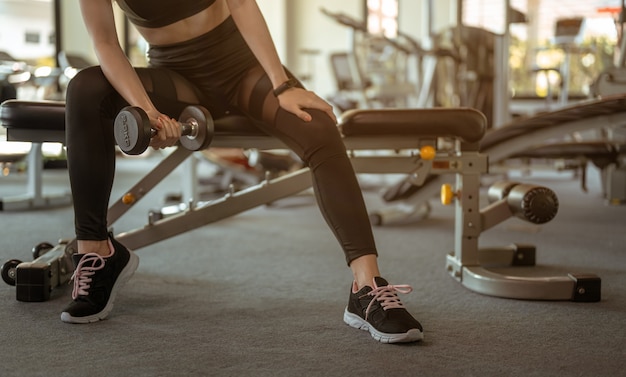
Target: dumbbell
[133, 131]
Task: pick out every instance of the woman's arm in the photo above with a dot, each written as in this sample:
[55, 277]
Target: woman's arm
[253, 28]
[100, 22]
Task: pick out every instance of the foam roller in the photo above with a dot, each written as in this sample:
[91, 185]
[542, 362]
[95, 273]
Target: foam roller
[535, 204]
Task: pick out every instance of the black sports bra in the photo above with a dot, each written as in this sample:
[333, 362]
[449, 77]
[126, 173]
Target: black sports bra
[154, 14]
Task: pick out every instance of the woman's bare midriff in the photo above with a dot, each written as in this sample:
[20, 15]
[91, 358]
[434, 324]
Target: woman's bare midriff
[188, 28]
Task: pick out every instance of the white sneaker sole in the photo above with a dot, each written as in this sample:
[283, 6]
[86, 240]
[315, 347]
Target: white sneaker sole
[353, 320]
[125, 275]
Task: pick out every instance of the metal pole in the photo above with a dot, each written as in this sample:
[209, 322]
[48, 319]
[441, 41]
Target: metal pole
[431, 16]
[58, 31]
[501, 82]
[622, 50]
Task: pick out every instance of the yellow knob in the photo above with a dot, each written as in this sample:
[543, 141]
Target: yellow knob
[427, 152]
[446, 194]
[128, 198]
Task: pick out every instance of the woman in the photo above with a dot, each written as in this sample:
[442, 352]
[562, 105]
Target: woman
[218, 54]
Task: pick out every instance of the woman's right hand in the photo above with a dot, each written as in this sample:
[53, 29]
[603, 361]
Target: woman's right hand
[168, 130]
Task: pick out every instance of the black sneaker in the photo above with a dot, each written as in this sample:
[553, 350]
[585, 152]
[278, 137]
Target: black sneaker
[97, 280]
[380, 311]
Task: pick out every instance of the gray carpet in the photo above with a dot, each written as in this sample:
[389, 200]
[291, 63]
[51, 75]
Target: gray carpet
[262, 294]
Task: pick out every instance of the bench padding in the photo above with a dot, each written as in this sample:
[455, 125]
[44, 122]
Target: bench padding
[33, 115]
[601, 153]
[523, 126]
[469, 125]
[466, 124]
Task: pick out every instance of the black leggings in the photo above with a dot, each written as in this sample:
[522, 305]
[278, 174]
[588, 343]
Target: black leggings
[92, 105]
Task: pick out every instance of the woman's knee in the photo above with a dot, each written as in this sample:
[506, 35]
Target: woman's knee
[88, 84]
[323, 131]
[320, 138]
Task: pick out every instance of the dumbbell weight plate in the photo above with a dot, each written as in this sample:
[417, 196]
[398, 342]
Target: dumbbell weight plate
[132, 137]
[203, 134]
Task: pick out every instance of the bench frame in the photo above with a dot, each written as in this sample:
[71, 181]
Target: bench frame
[34, 197]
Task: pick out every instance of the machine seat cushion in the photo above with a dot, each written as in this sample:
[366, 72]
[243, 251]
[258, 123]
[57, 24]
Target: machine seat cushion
[571, 150]
[34, 115]
[587, 109]
[466, 124]
[601, 153]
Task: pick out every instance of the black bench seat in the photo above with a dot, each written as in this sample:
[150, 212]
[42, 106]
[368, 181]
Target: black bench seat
[21, 118]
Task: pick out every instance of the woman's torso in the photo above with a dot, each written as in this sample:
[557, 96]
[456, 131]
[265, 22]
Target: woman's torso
[174, 21]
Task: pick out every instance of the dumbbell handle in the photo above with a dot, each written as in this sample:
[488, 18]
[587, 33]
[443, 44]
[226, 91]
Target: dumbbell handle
[186, 128]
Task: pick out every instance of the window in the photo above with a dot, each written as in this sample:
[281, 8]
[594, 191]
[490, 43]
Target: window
[581, 50]
[24, 29]
[31, 37]
[382, 17]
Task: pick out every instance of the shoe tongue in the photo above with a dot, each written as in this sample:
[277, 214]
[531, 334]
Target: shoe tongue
[380, 282]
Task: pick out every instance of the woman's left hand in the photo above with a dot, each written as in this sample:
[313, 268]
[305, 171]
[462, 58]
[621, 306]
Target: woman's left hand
[295, 100]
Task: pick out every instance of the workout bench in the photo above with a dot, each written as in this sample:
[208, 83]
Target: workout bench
[606, 155]
[35, 122]
[426, 141]
[520, 138]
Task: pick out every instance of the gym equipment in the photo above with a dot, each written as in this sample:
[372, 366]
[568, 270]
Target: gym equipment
[235, 169]
[356, 77]
[43, 118]
[35, 280]
[606, 155]
[567, 39]
[455, 134]
[543, 134]
[34, 197]
[133, 131]
[535, 204]
[373, 74]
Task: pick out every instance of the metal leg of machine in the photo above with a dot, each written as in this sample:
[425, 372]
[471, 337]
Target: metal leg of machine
[470, 265]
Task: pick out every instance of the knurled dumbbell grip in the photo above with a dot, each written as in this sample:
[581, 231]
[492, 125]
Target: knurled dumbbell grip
[186, 128]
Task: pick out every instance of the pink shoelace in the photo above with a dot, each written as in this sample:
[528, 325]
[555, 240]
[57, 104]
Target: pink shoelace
[88, 265]
[388, 296]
